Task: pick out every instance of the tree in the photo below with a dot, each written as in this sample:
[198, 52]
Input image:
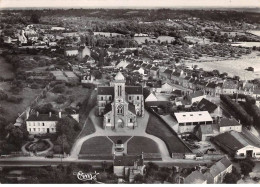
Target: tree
[35, 18]
[139, 179]
[233, 177]
[246, 167]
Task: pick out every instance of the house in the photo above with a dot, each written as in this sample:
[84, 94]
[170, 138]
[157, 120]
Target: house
[120, 104]
[226, 124]
[185, 81]
[167, 88]
[205, 132]
[128, 167]
[196, 96]
[247, 88]
[42, 123]
[166, 74]
[140, 70]
[256, 93]
[177, 76]
[83, 51]
[210, 89]
[73, 51]
[229, 87]
[238, 145]
[187, 121]
[217, 171]
[206, 105]
[122, 64]
[154, 72]
[196, 177]
[151, 97]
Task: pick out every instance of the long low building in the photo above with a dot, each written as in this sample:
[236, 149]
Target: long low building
[238, 145]
[187, 121]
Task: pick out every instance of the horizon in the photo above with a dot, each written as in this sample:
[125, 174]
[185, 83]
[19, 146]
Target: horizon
[126, 4]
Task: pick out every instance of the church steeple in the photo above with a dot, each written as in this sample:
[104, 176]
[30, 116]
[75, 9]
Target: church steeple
[119, 86]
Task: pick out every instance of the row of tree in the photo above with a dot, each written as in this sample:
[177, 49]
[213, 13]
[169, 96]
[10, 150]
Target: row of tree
[238, 109]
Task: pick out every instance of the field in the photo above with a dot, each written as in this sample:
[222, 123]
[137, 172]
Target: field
[77, 93]
[97, 145]
[235, 66]
[257, 33]
[87, 129]
[12, 110]
[6, 71]
[246, 44]
[141, 40]
[159, 129]
[139, 144]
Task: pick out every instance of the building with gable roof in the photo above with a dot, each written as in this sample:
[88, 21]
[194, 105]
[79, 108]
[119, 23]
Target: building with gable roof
[195, 177]
[120, 104]
[238, 145]
[226, 124]
[217, 171]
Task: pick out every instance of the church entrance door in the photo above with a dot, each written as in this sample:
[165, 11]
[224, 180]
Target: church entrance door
[120, 123]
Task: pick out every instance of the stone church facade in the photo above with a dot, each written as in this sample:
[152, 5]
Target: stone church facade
[120, 104]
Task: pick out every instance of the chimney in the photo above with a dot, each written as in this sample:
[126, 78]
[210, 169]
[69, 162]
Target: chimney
[37, 113]
[59, 114]
[49, 114]
[28, 112]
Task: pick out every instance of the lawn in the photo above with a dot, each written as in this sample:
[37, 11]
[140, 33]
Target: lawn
[12, 109]
[161, 130]
[87, 129]
[122, 138]
[97, 145]
[6, 70]
[139, 144]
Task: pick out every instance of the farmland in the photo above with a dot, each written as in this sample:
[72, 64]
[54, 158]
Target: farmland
[235, 66]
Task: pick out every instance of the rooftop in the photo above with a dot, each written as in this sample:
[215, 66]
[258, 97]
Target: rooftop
[195, 177]
[206, 105]
[43, 117]
[225, 122]
[186, 117]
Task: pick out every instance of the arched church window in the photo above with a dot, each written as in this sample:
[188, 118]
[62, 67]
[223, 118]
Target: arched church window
[120, 109]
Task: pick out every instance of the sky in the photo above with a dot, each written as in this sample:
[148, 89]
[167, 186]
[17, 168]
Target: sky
[128, 3]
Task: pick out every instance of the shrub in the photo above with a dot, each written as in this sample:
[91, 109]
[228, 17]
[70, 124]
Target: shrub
[3, 95]
[59, 88]
[34, 86]
[14, 99]
[61, 99]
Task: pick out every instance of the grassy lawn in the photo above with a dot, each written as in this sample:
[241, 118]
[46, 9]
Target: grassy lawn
[87, 129]
[6, 70]
[159, 129]
[139, 144]
[97, 145]
[122, 138]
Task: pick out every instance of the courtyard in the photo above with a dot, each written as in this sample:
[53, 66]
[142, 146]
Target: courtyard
[145, 138]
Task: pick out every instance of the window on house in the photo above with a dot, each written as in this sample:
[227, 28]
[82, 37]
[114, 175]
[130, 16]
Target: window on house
[110, 98]
[101, 98]
[130, 97]
[52, 129]
[137, 97]
[34, 129]
[131, 120]
[108, 120]
[42, 124]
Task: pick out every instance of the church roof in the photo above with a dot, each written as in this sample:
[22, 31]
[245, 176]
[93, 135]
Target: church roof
[134, 90]
[131, 108]
[119, 76]
[105, 90]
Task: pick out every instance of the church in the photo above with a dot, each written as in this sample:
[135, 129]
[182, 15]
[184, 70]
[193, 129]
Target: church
[120, 104]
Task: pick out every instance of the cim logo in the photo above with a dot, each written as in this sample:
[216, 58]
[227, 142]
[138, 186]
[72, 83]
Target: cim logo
[86, 176]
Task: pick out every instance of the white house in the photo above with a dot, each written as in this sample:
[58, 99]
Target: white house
[71, 52]
[217, 171]
[226, 124]
[238, 145]
[42, 123]
[188, 120]
[166, 87]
